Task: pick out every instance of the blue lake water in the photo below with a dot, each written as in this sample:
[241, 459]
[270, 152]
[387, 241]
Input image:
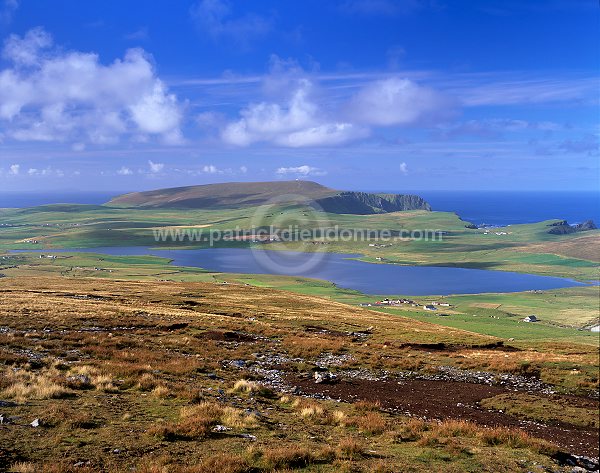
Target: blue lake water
[346, 272]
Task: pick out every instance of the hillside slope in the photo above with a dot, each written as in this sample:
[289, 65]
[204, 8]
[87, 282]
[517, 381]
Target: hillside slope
[248, 194]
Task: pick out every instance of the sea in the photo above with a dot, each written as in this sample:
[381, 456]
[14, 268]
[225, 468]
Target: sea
[510, 207]
[478, 207]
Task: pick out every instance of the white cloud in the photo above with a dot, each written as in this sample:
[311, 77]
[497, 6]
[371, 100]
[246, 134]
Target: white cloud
[397, 101]
[14, 169]
[303, 170]
[523, 89]
[210, 169]
[216, 18]
[49, 171]
[49, 94]
[298, 122]
[124, 171]
[141, 34]
[155, 167]
[404, 168]
[243, 169]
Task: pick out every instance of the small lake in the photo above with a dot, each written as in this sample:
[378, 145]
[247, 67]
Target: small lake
[345, 271]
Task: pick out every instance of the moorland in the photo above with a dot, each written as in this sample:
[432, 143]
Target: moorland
[130, 362]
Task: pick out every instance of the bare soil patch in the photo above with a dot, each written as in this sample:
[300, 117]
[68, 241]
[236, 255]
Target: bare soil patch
[450, 400]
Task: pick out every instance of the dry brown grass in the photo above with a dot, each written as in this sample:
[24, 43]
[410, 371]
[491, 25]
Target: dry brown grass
[350, 448]
[292, 457]
[23, 467]
[311, 347]
[370, 423]
[23, 385]
[197, 421]
[222, 463]
[129, 370]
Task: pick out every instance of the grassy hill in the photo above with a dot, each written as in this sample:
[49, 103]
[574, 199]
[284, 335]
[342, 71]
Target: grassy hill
[248, 194]
[197, 378]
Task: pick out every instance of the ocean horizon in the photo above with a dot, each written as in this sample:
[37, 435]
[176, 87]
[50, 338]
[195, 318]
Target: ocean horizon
[479, 207]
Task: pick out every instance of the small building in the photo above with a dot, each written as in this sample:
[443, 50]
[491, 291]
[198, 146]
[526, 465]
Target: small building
[531, 318]
[595, 329]
[429, 307]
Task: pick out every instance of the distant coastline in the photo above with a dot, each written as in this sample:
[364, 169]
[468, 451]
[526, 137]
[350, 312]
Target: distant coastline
[480, 207]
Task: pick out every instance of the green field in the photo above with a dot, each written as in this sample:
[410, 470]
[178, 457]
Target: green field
[562, 312]
[522, 248]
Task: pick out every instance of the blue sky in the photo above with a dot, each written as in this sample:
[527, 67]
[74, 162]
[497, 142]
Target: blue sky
[356, 94]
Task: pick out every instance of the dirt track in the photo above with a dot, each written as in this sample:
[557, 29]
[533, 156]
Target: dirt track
[450, 400]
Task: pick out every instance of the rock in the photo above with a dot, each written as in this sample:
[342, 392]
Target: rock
[36, 423]
[563, 228]
[211, 376]
[579, 463]
[3, 420]
[80, 380]
[7, 404]
[324, 377]
[585, 226]
[248, 436]
[238, 363]
[220, 428]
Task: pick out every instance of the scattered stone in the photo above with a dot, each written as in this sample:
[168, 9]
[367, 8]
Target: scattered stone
[579, 463]
[220, 428]
[80, 379]
[324, 377]
[7, 404]
[248, 436]
[36, 423]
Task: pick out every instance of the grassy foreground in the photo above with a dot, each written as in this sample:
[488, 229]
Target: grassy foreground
[199, 377]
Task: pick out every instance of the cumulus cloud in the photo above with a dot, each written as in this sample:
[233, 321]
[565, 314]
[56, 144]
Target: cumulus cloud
[298, 122]
[155, 167]
[124, 171]
[48, 171]
[210, 169]
[396, 101]
[14, 169]
[48, 94]
[303, 170]
[298, 113]
[404, 168]
[216, 18]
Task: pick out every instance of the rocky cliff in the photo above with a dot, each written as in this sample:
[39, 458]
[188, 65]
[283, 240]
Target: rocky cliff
[367, 203]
